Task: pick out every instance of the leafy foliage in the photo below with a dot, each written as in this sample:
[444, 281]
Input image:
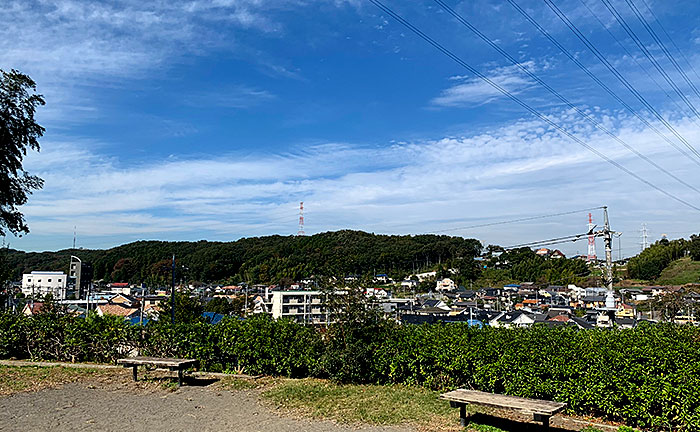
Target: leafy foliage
[18, 133]
[268, 259]
[653, 260]
[694, 247]
[647, 377]
[524, 264]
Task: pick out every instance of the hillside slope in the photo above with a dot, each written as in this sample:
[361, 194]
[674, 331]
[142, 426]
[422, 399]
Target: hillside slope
[679, 272]
[259, 259]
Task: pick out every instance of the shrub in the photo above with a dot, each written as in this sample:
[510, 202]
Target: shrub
[647, 377]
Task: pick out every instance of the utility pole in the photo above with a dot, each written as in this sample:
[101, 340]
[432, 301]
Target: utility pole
[610, 296]
[607, 236]
[172, 294]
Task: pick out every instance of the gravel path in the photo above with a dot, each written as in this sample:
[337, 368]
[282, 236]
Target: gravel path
[85, 407]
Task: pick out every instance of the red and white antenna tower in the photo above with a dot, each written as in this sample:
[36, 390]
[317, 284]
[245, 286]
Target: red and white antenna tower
[301, 219]
[591, 239]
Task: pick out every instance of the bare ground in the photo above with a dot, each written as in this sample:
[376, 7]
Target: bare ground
[110, 402]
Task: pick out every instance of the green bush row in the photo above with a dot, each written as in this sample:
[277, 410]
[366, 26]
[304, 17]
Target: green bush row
[647, 377]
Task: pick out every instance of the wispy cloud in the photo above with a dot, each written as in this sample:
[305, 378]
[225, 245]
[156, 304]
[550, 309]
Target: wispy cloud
[239, 96]
[521, 168]
[72, 46]
[474, 91]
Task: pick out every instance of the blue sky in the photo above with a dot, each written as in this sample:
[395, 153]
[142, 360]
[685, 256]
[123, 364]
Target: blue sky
[188, 120]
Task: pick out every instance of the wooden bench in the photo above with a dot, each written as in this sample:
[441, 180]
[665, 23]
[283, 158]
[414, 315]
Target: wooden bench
[541, 410]
[162, 363]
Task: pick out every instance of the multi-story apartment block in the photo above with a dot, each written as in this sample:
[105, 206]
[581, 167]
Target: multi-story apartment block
[302, 306]
[43, 283]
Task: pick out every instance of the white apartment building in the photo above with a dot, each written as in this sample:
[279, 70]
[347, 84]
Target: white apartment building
[43, 283]
[302, 306]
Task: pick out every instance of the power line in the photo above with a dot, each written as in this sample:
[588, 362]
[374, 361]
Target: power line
[620, 19]
[558, 95]
[531, 218]
[634, 58]
[557, 240]
[520, 102]
[600, 83]
[670, 38]
[617, 75]
[654, 36]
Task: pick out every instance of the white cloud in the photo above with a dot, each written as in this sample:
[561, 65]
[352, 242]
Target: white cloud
[71, 47]
[474, 91]
[519, 169]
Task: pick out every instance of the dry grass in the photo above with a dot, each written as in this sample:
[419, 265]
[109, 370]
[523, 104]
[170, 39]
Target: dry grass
[368, 404]
[34, 378]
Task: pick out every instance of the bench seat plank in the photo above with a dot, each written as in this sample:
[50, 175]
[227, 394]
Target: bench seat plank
[157, 361]
[528, 406]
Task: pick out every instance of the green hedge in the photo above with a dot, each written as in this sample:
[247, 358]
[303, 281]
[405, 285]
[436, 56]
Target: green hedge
[647, 377]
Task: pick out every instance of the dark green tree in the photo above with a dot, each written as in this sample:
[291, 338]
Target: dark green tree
[220, 305]
[694, 247]
[187, 309]
[18, 133]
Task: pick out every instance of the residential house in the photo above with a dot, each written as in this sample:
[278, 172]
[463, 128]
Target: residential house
[117, 310]
[445, 284]
[593, 301]
[427, 275]
[32, 308]
[626, 311]
[377, 293]
[409, 284]
[557, 254]
[513, 319]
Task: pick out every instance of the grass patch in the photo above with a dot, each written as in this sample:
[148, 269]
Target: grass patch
[484, 428]
[15, 379]
[680, 272]
[370, 404]
[237, 384]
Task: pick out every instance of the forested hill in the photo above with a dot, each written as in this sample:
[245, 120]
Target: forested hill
[260, 259]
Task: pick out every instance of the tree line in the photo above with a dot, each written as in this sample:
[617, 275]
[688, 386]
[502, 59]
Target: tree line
[268, 259]
[649, 264]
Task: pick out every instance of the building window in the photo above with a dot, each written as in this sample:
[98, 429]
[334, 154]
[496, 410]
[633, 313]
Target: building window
[29, 280]
[38, 280]
[59, 280]
[49, 280]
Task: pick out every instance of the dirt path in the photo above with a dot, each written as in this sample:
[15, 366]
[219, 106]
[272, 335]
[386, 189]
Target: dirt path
[84, 406]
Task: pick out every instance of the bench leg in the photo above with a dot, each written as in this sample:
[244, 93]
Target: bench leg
[463, 419]
[134, 371]
[544, 419]
[179, 377]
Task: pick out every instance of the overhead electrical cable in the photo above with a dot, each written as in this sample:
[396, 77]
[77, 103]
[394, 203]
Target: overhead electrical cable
[620, 19]
[523, 104]
[663, 29]
[525, 219]
[557, 240]
[634, 59]
[558, 95]
[617, 75]
[659, 42]
[622, 79]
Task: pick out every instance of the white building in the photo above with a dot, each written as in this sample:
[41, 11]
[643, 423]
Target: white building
[409, 284]
[427, 275]
[44, 282]
[446, 284]
[301, 306]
